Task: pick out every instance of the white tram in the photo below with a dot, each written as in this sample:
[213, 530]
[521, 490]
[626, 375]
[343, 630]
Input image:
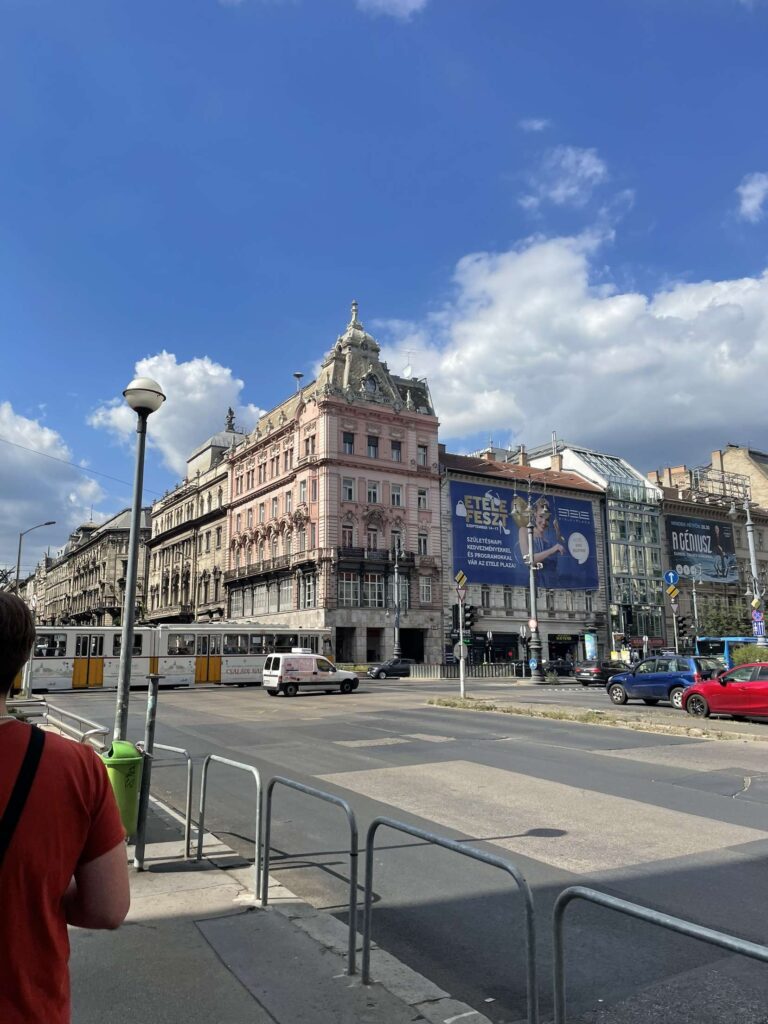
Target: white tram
[87, 657]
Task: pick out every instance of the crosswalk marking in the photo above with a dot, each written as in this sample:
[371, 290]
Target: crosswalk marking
[592, 831]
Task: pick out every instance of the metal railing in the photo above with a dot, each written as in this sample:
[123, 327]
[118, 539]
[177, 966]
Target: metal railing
[190, 783]
[257, 830]
[353, 850]
[472, 853]
[94, 734]
[674, 924]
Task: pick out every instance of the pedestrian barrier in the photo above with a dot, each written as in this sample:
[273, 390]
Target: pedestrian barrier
[190, 783]
[674, 924]
[62, 720]
[331, 799]
[493, 670]
[466, 851]
[257, 830]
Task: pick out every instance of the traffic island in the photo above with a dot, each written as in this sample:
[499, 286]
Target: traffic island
[594, 717]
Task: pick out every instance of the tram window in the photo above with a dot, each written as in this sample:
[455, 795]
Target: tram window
[214, 643]
[97, 646]
[257, 644]
[235, 643]
[81, 646]
[181, 643]
[117, 642]
[50, 645]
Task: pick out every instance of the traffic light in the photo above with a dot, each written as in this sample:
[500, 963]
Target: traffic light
[683, 626]
[470, 613]
[455, 616]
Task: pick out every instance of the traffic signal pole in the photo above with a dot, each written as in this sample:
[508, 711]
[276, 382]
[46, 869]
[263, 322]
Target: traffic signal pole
[462, 648]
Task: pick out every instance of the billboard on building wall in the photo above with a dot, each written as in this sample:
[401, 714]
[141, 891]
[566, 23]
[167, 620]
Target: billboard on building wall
[490, 537]
[702, 549]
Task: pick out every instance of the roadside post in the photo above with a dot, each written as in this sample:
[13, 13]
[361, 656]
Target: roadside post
[672, 578]
[461, 593]
[146, 775]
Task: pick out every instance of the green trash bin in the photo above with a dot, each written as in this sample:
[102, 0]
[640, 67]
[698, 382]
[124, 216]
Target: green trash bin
[124, 765]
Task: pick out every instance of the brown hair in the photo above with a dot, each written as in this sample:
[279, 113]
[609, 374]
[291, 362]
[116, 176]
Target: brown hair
[17, 634]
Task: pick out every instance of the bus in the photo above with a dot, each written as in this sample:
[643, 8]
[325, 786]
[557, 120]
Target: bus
[88, 657]
[722, 647]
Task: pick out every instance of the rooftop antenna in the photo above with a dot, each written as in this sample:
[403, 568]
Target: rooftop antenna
[298, 376]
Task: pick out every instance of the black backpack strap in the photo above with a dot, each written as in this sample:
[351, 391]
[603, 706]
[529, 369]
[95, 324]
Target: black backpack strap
[22, 786]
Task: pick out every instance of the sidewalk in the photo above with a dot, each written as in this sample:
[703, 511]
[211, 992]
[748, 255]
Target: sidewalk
[196, 948]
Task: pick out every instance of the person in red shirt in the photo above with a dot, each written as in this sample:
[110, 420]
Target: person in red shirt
[66, 861]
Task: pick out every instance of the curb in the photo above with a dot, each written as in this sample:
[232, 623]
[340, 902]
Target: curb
[423, 996]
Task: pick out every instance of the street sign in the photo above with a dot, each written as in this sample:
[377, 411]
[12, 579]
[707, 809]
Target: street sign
[672, 591]
[461, 579]
[461, 593]
[460, 651]
[757, 616]
[758, 629]
[755, 602]
[671, 577]
[675, 607]
[533, 664]
[533, 623]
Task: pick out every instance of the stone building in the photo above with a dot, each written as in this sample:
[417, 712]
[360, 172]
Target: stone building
[333, 494]
[705, 539]
[86, 583]
[484, 517]
[188, 546]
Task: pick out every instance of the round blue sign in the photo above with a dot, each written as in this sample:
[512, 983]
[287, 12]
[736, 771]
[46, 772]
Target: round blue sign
[533, 663]
[671, 577]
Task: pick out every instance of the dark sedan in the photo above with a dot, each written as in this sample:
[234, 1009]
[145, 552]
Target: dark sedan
[598, 671]
[559, 667]
[393, 667]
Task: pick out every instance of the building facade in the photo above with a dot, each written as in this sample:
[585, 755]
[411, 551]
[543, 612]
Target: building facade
[632, 528]
[484, 502]
[334, 494]
[705, 540]
[86, 583]
[188, 547]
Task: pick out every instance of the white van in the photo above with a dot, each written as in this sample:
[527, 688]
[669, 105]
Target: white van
[288, 673]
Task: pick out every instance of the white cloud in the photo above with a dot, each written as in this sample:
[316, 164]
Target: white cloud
[35, 489]
[533, 124]
[198, 394]
[753, 192]
[535, 340]
[567, 177]
[397, 8]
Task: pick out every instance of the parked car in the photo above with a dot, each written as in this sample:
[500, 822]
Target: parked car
[560, 666]
[303, 670]
[661, 678]
[740, 692]
[393, 667]
[598, 671]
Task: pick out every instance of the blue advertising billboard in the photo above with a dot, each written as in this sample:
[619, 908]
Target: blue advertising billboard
[490, 537]
[702, 549]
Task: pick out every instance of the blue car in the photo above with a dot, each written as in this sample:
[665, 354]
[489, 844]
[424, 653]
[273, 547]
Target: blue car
[661, 678]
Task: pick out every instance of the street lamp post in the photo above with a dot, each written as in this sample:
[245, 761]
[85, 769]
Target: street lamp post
[144, 396]
[534, 644]
[51, 522]
[396, 651]
[757, 590]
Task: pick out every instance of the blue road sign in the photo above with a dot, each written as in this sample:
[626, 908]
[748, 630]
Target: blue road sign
[758, 628]
[757, 615]
[533, 664]
[671, 577]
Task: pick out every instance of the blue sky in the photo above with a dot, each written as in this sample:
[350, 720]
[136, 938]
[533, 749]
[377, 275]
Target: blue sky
[559, 209]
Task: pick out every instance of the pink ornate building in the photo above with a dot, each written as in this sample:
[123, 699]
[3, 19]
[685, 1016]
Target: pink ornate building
[332, 488]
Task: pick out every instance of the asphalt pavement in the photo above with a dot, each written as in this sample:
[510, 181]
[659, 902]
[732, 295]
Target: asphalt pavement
[671, 822]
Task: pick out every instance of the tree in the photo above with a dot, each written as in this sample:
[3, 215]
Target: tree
[748, 653]
[717, 621]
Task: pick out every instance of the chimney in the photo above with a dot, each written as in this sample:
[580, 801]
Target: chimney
[556, 463]
[717, 460]
[489, 455]
[522, 457]
[668, 476]
[654, 476]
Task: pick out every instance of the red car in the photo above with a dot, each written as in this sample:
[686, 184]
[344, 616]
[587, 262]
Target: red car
[740, 692]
